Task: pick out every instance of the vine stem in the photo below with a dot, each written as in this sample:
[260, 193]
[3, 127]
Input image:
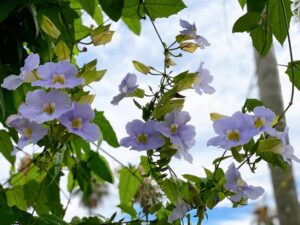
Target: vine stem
[292, 61]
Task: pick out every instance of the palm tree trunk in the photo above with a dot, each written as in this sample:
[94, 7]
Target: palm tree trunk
[283, 181]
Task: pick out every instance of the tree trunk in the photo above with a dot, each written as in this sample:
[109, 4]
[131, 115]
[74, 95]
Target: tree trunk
[283, 181]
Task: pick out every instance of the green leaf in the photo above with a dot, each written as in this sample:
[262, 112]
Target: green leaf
[138, 92]
[133, 23]
[247, 22]
[261, 39]
[256, 6]
[113, 8]
[161, 110]
[129, 184]
[15, 197]
[80, 30]
[100, 167]
[8, 6]
[144, 162]
[6, 146]
[242, 3]
[52, 192]
[141, 67]
[250, 104]
[171, 190]
[236, 155]
[128, 209]
[90, 74]
[2, 105]
[295, 67]
[89, 6]
[36, 197]
[93, 76]
[192, 178]
[83, 176]
[163, 8]
[269, 145]
[132, 8]
[98, 17]
[276, 18]
[109, 134]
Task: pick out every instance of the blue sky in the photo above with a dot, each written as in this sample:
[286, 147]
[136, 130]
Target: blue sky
[230, 61]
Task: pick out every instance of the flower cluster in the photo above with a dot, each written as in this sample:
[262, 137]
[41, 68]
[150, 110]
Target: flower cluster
[151, 134]
[240, 128]
[51, 103]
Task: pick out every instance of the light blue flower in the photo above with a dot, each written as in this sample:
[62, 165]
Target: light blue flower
[236, 184]
[142, 136]
[190, 32]
[233, 131]
[286, 149]
[41, 106]
[78, 121]
[127, 86]
[181, 135]
[29, 131]
[202, 81]
[58, 75]
[12, 82]
[263, 119]
[181, 209]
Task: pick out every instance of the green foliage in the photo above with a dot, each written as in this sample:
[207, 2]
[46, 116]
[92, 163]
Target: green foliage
[100, 167]
[294, 68]
[162, 8]
[247, 22]
[279, 13]
[250, 104]
[263, 20]
[89, 6]
[90, 73]
[6, 146]
[109, 134]
[141, 67]
[261, 39]
[133, 23]
[171, 190]
[112, 8]
[128, 185]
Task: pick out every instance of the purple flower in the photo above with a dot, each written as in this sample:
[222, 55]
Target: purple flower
[181, 135]
[78, 121]
[181, 209]
[127, 86]
[236, 184]
[233, 131]
[263, 119]
[58, 75]
[41, 106]
[12, 82]
[202, 81]
[142, 136]
[286, 149]
[190, 32]
[30, 131]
